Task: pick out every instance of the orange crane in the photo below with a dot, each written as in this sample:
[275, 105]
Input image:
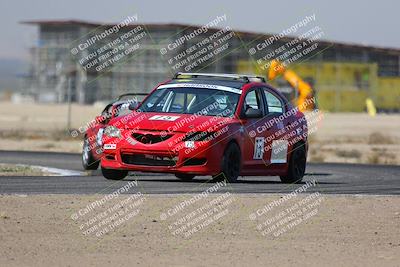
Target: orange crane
[304, 90]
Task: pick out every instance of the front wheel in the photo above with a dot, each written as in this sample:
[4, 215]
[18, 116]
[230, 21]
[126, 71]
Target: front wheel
[230, 164]
[111, 174]
[297, 165]
[88, 161]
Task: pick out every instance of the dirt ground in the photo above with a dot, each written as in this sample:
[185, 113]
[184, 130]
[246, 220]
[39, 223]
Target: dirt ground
[356, 138]
[339, 137]
[19, 170]
[345, 231]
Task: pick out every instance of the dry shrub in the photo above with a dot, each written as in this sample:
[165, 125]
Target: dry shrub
[377, 138]
[348, 154]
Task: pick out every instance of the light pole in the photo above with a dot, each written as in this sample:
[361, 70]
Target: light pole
[69, 103]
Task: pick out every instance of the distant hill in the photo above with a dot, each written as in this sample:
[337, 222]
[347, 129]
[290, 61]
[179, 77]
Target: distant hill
[9, 71]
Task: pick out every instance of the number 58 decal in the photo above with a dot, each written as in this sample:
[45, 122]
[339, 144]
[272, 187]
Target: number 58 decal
[259, 148]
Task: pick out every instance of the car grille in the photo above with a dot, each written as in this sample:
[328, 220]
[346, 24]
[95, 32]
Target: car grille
[149, 160]
[150, 138]
[194, 161]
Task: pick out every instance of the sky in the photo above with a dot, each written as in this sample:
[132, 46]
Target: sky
[362, 22]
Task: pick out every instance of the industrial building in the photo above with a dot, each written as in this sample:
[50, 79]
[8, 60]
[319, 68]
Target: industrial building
[339, 72]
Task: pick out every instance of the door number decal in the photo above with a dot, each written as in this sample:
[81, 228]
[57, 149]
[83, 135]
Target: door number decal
[279, 151]
[259, 148]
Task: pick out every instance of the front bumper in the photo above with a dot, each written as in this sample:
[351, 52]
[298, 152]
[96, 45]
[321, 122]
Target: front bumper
[203, 159]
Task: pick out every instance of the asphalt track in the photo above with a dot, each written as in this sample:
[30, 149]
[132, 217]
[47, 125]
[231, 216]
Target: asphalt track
[331, 178]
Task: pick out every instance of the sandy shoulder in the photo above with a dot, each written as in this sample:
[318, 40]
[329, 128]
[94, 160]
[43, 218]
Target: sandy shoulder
[20, 170]
[346, 230]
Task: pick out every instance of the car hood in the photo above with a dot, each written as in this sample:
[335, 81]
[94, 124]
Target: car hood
[169, 122]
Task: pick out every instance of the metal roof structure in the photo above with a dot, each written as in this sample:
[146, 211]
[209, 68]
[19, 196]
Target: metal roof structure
[255, 35]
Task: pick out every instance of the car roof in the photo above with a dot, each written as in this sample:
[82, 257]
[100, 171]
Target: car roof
[222, 82]
[119, 102]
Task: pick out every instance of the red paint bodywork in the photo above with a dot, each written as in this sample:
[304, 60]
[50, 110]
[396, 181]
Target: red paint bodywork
[100, 122]
[212, 151]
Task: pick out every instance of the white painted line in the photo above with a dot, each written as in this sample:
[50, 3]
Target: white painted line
[60, 172]
[55, 171]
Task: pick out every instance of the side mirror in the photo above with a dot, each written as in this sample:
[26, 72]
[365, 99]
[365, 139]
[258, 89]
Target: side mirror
[134, 105]
[252, 113]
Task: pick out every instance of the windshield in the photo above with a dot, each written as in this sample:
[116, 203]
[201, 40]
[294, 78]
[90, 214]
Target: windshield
[201, 101]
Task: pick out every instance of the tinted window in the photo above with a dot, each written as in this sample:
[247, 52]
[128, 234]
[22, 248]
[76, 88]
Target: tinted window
[122, 110]
[274, 104]
[209, 102]
[107, 112]
[252, 101]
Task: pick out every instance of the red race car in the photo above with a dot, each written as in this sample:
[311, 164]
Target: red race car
[223, 125]
[92, 150]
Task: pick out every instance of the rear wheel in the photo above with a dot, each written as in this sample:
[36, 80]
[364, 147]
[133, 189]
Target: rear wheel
[230, 164]
[112, 174]
[88, 161]
[184, 177]
[297, 165]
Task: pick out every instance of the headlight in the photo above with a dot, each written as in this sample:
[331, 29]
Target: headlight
[112, 131]
[99, 137]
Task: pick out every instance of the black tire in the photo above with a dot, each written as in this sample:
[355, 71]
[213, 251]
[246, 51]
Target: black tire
[297, 165]
[88, 161]
[231, 164]
[185, 177]
[111, 174]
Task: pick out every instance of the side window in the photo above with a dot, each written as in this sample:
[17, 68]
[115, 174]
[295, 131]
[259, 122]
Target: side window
[178, 103]
[252, 100]
[122, 110]
[274, 104]
[107, 112]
